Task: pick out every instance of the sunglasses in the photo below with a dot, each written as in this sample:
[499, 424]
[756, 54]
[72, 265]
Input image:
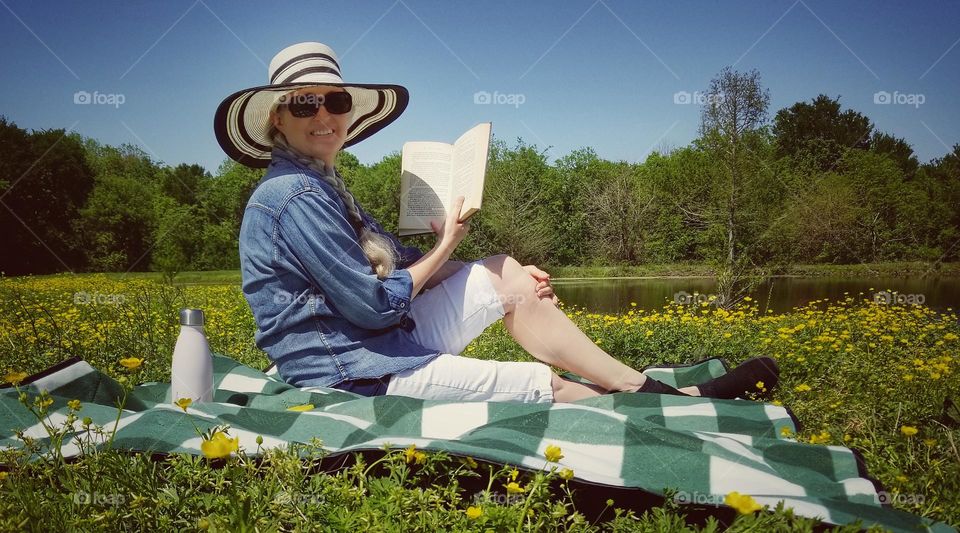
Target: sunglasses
[307, 105]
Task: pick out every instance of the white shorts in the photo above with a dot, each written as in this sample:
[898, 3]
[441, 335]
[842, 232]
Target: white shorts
[447, 318]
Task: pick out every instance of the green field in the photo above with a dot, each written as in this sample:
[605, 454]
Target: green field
[855, 373]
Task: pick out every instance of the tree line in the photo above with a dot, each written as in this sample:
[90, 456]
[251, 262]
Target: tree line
[816, 184]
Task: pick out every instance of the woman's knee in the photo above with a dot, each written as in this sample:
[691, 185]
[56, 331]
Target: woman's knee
[513, 283]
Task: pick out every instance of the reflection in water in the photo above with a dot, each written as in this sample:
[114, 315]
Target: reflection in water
[780, 294]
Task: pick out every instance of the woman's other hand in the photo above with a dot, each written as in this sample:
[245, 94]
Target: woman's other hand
[451, 231]
[544, 289]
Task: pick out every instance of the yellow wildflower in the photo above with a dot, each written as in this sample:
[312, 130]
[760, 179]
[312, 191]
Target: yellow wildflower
[183, 403]
[514, 488]
[474, 512]
[785, 431]
[930, 442]
[131, 363]
[301, 408]
[566, 474]
[14, 378]
[743, 503]
[803, 387]
[553, 454]
[74, 405]
[410, 453]
[909, 431]
[219, 446]
[513, 474]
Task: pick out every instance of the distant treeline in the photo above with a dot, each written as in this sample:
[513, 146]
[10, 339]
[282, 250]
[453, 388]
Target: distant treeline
[820, 185]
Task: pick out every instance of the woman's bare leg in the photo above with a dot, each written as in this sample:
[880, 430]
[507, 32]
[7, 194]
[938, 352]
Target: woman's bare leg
[570, 391]
[550, 336]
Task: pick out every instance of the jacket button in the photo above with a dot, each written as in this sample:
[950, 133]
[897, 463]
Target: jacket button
[402, 304]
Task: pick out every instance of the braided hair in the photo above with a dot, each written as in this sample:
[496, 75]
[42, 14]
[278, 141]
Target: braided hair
[378, 248]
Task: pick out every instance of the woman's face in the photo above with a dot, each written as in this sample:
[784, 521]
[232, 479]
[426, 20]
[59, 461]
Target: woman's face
[320, 136]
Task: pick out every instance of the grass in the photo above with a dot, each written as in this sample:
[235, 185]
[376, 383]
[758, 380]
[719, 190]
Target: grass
[856, 374]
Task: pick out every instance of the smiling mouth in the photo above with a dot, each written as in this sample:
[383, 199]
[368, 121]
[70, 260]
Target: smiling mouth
[321, 132]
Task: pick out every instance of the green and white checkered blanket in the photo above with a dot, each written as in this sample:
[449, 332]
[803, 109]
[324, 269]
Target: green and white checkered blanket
[702, 448]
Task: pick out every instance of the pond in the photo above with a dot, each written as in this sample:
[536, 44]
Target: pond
[779, 294]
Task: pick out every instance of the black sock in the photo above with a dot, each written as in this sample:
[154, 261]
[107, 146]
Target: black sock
[743, 380]
[658, 387]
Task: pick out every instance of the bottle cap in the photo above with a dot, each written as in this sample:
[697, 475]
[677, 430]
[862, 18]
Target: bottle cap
[191, 317]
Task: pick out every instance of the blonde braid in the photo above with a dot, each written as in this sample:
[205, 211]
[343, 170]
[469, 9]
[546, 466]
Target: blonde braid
[378, 248]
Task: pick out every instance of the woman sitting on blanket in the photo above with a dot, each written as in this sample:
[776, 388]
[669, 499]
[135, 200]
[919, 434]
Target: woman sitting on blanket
[340, 302]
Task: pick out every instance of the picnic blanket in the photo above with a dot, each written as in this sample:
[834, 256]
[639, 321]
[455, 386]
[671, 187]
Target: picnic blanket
[646, 443]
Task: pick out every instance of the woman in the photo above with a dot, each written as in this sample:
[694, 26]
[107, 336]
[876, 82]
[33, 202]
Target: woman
[339, 302]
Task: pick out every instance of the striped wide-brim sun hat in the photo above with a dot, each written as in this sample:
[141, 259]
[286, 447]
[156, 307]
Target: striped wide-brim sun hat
[242, 119]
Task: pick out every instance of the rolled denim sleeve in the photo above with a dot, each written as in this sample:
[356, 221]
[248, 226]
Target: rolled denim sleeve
[325, 244]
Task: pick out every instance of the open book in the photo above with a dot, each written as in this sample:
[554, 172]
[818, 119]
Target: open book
[435, 173]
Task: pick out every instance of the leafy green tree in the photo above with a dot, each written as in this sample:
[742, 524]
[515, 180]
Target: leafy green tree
[44, 181]
[566, 193]
[118, 224]
[514, 218]
[617, 211]
[819, 131]
[896, 149]
[730, 132]
[118, 220]
[178, 236]
[184, 183]
[680, 180]
[942, 176]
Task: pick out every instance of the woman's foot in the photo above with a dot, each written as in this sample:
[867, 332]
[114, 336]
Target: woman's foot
[653, 386]
[757, 377]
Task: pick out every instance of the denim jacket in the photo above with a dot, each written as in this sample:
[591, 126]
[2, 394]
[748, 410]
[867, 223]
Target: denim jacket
[322, 314]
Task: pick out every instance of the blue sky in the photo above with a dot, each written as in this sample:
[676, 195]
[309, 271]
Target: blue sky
[603, 74]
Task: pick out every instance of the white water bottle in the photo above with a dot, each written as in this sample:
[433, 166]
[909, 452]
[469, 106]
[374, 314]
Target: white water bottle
[192, 372]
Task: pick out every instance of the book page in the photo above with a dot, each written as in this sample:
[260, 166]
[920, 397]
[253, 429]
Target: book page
[470, 166]
[424, 185]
